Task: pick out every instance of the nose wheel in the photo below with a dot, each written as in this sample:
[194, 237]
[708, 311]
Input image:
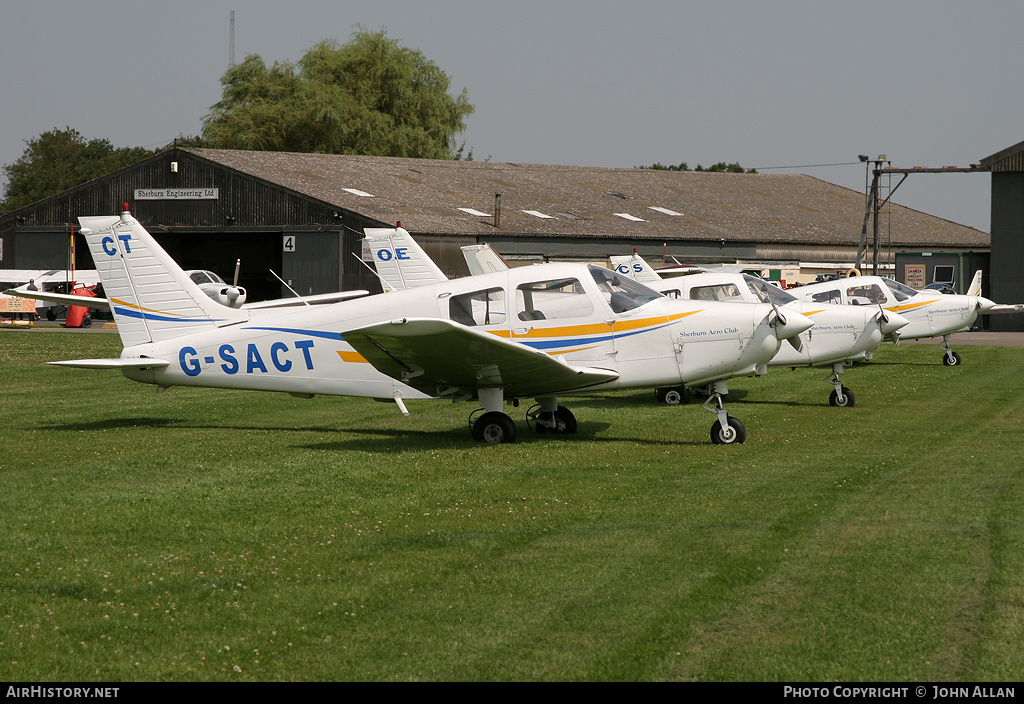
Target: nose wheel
[841, 397]
[951, 358]
[732, 433]
[726, 430]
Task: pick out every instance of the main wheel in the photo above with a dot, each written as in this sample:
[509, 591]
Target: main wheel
[953, 361]
[494, 427]
[846, 400]
[673, 395]
[732, 435]
[565, 422]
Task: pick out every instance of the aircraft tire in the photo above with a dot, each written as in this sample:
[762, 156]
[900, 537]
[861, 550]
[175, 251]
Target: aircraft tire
[953, 361]
[565, 423]
[846, 401]
[673, 395]
[736, 435]
[494, 427]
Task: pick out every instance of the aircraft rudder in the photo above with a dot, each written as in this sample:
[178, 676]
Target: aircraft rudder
[151, 296]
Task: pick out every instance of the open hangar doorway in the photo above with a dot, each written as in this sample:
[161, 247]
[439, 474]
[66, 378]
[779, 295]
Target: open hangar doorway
[217, 252]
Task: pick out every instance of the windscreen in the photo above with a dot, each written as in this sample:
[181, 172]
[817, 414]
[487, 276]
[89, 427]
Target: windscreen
[900, 291]
[622, 293]
[768, 293]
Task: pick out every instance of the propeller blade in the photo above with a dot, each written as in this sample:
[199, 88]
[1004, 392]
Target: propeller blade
[238, 266]
[797, 343]
[780, 319]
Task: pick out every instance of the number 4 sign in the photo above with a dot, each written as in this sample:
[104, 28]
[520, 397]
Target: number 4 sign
[289, 243]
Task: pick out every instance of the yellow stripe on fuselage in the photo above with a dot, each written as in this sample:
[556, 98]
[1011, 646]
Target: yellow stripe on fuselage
[597, 328]
[911, 306]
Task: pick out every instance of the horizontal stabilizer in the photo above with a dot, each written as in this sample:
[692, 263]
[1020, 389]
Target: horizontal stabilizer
[63, 298]
[120, 363]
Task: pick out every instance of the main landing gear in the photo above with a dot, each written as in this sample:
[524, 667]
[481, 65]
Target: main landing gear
[951, 358]
[726, 430]
[495, 426]
[842, 397]
[672, 395]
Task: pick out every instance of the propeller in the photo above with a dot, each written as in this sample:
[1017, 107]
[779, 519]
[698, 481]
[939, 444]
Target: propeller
[233, 292]
[785, 331]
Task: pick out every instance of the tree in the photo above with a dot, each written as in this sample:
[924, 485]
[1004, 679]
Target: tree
[733, 168]
[370, 96]
[61, 159]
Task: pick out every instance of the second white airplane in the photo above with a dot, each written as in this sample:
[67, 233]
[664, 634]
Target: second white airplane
[840, 334]
[930, 313]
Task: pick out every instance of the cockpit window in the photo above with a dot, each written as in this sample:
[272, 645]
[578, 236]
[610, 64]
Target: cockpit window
[205, 277]
[768, 293]
[622, 293]
[864, 294]
[716, 292]
[900, 291]
[832, 296]
[552, 299]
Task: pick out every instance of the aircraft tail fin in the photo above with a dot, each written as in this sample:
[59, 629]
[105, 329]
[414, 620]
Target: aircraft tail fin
[150, 295]
[635, 267]
[975, 287]
[400, 261]
[482, 259]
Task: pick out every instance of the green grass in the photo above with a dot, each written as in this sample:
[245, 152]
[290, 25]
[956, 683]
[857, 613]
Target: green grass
[216, 535]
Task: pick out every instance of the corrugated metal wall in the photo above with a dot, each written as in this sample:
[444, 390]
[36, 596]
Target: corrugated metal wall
[246, 210]
[1007, 280]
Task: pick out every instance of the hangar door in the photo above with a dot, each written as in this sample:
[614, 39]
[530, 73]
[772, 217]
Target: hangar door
[260, 252]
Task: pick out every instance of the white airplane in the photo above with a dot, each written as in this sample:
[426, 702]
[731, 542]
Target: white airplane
[15, 283]
[230, 296]
[931, 314]
[402, 263]
[840, 333]
[533, 332]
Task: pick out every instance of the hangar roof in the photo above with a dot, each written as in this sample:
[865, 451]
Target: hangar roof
[458, 198]
[1009, 159]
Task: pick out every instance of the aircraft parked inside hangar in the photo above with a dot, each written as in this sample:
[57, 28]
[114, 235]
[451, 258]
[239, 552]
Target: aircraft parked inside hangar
[931, 314]
[840, 333]
[534, 332]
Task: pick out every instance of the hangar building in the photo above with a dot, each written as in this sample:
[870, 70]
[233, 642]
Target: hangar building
[302, 215]
[1007, 277]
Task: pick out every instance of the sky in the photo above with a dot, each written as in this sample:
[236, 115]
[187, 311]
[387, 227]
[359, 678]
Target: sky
[804, 84]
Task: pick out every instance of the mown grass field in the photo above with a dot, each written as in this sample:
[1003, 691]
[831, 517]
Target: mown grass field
[204, 534]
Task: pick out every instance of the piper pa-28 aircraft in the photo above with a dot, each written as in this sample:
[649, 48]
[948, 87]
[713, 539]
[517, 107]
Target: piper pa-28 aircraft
[931, 314]
[840, 333]
[401, 263]
[534, 332]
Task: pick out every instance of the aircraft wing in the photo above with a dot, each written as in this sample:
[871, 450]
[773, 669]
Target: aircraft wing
[65, 298]
[316, 299]
[1005, 308]
[443, 358]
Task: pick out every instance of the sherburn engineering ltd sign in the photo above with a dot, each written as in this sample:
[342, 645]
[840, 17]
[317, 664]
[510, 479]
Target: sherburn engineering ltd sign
[177, 193]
